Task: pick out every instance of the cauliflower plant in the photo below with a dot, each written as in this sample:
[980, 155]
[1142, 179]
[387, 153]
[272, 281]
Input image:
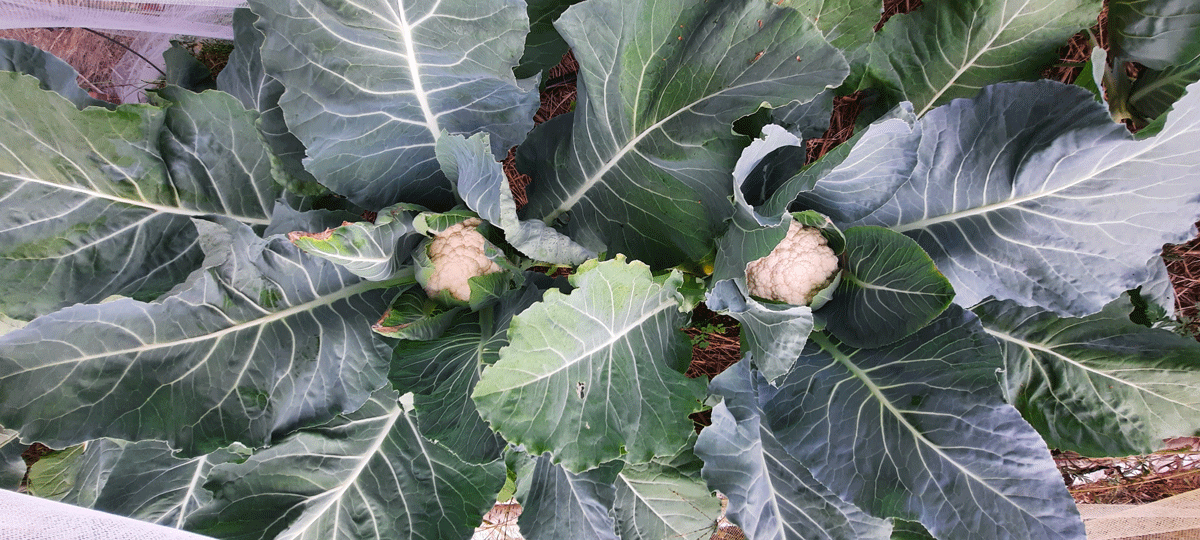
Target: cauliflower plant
[457, 254]
[796, 270]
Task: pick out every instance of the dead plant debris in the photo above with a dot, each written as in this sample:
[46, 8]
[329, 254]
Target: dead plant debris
[558, 97]
[895, 7]
[841, 126]
[1134, 479]
[1183, 265]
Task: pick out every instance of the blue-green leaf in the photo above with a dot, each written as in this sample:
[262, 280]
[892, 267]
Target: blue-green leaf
[919, 431]
[889, 289]
[144, 480]
[1031, 193]
[99, 203]
[367, 474]
[267, 341]
[560, 504]
[51, 71]
[596, 374]
[947, 50]
[373, 84]
[481, 183]
[1098, 385]
[772, 334]
[771, 495]
[642, 165]
[1155, 33]
[442, 372]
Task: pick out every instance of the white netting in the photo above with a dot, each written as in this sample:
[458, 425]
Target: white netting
[150, 25]
[204, 18]
[25, 517]
[1173, 518]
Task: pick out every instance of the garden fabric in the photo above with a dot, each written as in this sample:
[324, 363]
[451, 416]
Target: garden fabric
[25, 517]
[202, 18]
[1173, 518]
[152, 25]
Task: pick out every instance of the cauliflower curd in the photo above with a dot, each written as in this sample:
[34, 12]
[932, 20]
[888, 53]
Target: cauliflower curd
[457, 254]
[796, 270]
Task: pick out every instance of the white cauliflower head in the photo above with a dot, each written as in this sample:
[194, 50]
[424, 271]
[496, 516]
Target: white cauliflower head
[457, 254]
[796, 270]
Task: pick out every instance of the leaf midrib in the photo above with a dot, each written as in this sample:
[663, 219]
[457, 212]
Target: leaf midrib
[598, 175]
[144, 204]
[578, 358]
[950, 83]
[1028, 345]
[334, 494]
[358, 288]
[1147, 146]
[877, 393]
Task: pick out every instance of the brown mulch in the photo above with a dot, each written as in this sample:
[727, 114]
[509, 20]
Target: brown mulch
[1183, 265]
[895, 7]
[1135, 479]
[558, 97]
[841, 126]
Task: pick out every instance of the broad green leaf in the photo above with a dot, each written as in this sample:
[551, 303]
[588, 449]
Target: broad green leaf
[560, 504]
[1155, 33]
[544, 48]
[377, 251]
[806, 120]
[919, 431]
[1099, 385]
[97, 203]
[764, 183]
[889, 289]
[368, 474]
[216, 159]
[909, 530]
[442, 372]
[596, 374]
[642, 165]
[947, 50]
[771, 495]
[246, 79]
[12, 466]
[1155, 92]
[772, 334]
[481, 183]
[861, 174]
[268, 341]
[660, 502]
[144, 480]
[847, 24]
[54, 475]
[52, 72]
[418, 68]
[413, 315]
[1031, 193]
[186, 71]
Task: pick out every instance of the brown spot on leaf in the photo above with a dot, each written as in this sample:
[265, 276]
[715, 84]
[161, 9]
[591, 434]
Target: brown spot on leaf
[319, 237]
